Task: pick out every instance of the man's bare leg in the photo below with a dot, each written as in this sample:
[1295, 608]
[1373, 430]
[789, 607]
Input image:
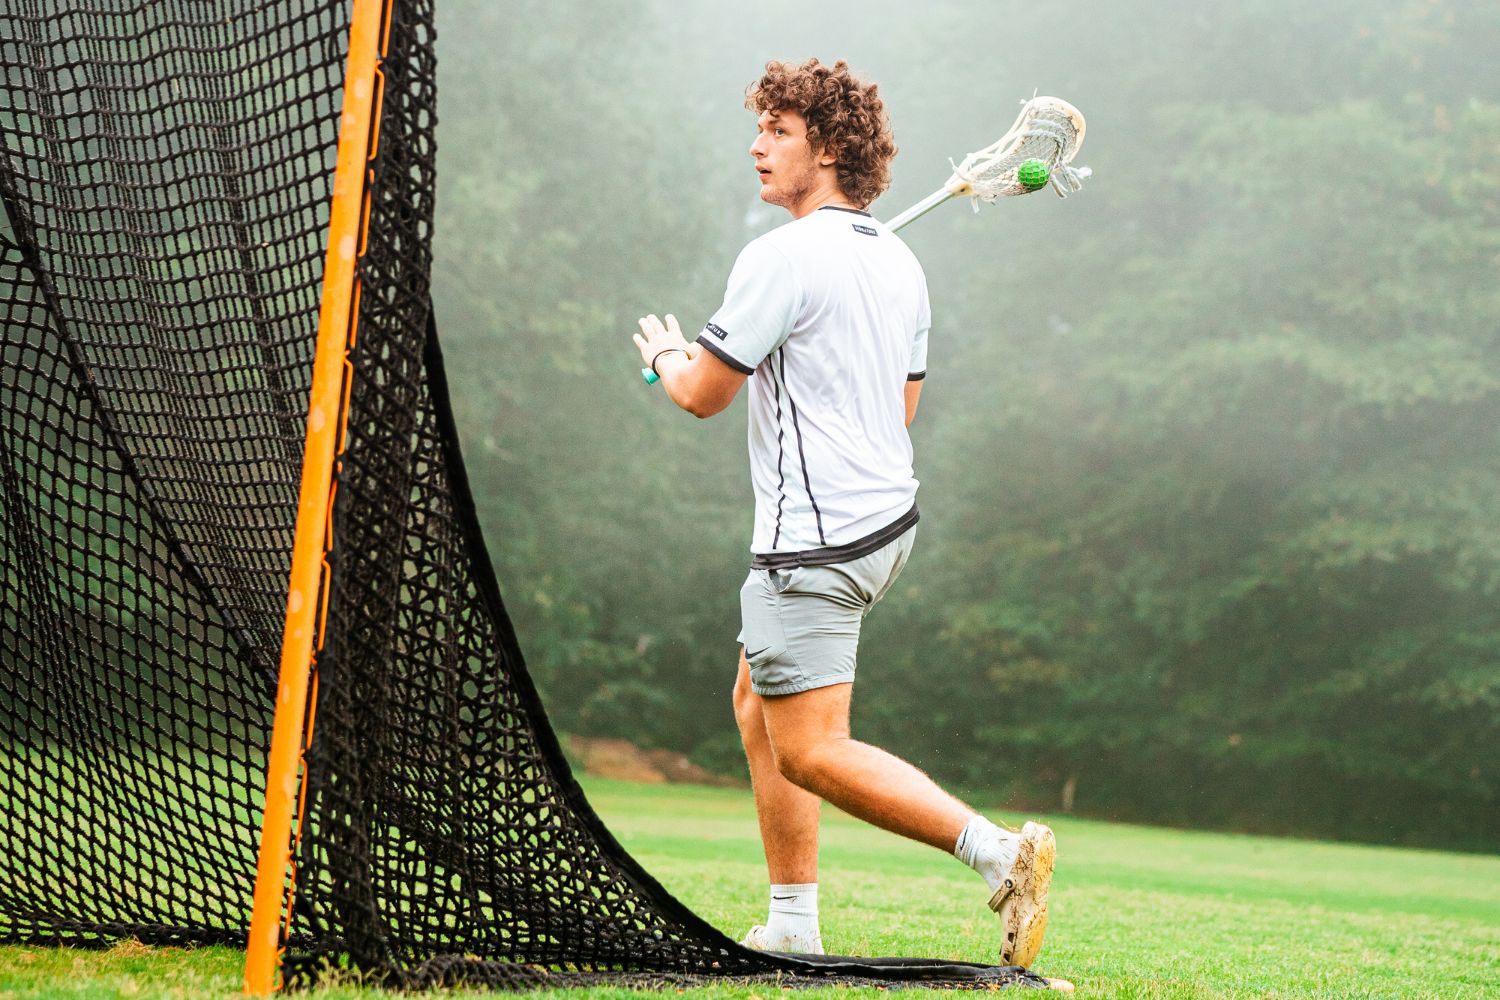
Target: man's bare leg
[809, 737]
[788, 832]
[788, 815]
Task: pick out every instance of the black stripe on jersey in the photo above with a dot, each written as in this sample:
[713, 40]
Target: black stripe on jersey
[725, 356]
[917, 376]
[841, 208]
[801, 451]
[780, 455]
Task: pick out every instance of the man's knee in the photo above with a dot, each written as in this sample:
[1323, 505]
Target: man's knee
[805, 765]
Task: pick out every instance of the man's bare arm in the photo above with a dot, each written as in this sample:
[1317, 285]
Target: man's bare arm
[694, 379]
[913, 393]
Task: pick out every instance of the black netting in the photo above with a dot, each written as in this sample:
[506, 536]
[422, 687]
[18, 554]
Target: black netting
[165, 185]
[166, 178]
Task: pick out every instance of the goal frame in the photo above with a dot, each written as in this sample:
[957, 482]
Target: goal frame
[327, 423]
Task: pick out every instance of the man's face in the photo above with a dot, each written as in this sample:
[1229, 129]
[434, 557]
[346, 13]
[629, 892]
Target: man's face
[789, 169]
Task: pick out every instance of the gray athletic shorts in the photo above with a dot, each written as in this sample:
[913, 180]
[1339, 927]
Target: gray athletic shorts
[801, 625]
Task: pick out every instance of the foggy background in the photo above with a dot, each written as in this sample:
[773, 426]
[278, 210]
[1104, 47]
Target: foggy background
[1208, 451]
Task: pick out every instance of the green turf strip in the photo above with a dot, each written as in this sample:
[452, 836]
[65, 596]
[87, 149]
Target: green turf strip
[1136, 912]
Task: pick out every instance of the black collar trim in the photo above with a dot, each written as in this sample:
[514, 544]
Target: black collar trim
[841, 208]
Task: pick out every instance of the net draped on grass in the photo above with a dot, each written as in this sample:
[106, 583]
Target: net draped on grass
[165, 170]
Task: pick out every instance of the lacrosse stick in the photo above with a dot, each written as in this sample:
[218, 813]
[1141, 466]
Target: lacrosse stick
[1039, 147]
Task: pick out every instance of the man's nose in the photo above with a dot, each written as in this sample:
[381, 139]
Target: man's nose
[757, 149]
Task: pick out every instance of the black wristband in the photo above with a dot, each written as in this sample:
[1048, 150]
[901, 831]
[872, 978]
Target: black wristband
[669, 350]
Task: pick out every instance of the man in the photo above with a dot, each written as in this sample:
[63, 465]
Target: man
[828, 318]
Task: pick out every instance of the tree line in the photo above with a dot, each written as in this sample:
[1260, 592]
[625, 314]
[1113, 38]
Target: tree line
[1211, 502]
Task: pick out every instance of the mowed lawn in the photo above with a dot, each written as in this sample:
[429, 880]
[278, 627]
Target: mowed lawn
[1136, 912]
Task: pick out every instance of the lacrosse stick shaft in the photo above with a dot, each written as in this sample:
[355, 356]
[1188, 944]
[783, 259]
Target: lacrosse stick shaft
[920, 209]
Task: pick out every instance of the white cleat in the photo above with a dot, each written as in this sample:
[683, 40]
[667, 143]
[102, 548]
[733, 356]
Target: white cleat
[1021, 899]
[758, 938]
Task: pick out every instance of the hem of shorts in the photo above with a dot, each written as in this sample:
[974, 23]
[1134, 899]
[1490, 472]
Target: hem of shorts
[797, 687]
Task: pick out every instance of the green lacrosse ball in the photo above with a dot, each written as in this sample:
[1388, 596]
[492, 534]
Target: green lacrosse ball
[1032, 174]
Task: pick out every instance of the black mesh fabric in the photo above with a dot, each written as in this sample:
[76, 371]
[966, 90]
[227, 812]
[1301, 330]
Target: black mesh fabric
[166, 177]
[165, 183]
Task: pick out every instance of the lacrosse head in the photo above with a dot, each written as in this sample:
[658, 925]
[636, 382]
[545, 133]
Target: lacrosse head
[1048, 129]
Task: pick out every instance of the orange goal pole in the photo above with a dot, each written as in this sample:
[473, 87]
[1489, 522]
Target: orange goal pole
[307, 591]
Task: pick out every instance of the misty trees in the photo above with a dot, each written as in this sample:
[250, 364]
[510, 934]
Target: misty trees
[1247, 553]
[1211, 526]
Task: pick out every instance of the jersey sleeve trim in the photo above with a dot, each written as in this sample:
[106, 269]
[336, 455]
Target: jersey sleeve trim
[916, 376]
[725, 356]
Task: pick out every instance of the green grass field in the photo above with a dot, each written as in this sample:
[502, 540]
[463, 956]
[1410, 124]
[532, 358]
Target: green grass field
[1136, 912]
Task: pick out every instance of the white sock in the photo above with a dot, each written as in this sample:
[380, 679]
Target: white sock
[987, 849]
[792, 924]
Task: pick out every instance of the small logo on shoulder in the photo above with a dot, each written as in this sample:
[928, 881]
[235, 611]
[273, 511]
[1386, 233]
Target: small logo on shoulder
[865, 229]
[717, 331]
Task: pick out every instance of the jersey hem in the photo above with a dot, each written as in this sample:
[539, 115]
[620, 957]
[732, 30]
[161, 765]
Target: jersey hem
[829, 555]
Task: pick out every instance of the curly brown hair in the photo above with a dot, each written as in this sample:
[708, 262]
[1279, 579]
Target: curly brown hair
[845, 117]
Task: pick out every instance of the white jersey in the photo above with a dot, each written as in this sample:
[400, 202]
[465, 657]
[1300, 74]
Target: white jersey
[829, 316]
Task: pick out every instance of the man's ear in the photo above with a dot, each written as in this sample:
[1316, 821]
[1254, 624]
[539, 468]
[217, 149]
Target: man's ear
[828, 155]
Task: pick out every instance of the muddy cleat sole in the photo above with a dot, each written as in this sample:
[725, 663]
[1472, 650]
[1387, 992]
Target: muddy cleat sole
[1021, 900]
